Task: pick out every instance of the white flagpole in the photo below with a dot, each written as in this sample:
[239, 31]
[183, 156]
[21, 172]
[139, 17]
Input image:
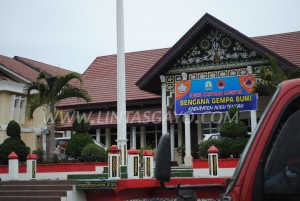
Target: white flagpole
[121, 90]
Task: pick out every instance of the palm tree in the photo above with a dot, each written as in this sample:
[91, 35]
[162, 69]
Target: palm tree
[47, 92]
[272, 77]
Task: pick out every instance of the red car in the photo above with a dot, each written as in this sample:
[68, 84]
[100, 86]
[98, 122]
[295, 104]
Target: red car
[269, 168]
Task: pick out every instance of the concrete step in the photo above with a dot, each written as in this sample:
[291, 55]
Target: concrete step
[35, 190]
[35, 187]
[39, 182]
[18, 193]
[30, 198]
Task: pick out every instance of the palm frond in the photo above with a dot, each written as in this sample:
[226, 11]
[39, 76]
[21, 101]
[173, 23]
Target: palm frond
[66, 78]
[30, 87]
[279, 75]
[270, 79]
[37, 87]
[51, 90]
[33, 102]
[69, 92]
[61, 82]
[265, 87]
[294, 74]
[42, 76]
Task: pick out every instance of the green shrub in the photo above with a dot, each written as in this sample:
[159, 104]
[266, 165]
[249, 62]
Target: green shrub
[75, 145]
[13, 145]
[233, 142]
[234, 147]
[228, 147]
[93, 153]
[28, 149]
[233, 129]
[40, 154]
[204, 146]
[81, 125]
[232, 111]
[13, 129]
[54, 159]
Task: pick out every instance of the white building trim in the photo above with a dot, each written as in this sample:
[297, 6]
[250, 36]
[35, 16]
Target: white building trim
[13, 74]
[10, 86]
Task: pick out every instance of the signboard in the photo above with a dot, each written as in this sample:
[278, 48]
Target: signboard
[96, 184]
[215, 95]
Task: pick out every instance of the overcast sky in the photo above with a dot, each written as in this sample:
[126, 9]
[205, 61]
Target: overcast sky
[72, 33]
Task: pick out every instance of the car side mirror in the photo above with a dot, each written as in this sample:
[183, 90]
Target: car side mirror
[163, 159]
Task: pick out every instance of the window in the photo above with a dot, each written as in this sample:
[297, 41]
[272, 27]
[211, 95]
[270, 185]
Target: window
[209, 128]
[17, 108]
[282, 162]
[247, 124]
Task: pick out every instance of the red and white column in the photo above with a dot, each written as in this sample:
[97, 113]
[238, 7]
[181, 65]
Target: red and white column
[133, 164]
[213, 158]
[13, 166]
[148, 163]
[114, 162]
[31, 166]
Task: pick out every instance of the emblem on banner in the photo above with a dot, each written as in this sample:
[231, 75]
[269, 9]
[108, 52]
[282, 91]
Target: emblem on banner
[208, 85]
[249, 82]
[221, 84]
[182, 88]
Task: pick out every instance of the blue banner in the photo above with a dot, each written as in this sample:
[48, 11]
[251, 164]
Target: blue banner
[215, 95]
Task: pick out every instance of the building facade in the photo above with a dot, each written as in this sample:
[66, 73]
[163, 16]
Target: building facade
[209, 49]
[15, 73]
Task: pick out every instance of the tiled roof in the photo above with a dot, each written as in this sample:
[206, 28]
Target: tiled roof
[29, 69]
[53, 70]
[100, 79]
[19, 68]
[286, 45]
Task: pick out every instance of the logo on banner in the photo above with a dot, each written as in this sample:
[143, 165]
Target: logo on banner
[208, 85]
[182, 88]
[249, 82]
[221, 84]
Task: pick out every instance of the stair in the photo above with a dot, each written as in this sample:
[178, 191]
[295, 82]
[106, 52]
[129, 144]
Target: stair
[35, 190]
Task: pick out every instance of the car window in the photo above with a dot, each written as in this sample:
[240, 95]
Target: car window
[282, 164]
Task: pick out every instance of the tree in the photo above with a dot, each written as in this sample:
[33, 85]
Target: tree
[272, 77]
[47, 92]
[233, 127]
[75, 145]
[13, 144]
[81, 125]
[13, 129]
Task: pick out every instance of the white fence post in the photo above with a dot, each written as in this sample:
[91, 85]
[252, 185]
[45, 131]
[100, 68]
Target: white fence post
[148, 163]
[133, 164]
[13, 166]
[31, 166]
[213, 158]
[114, 162]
